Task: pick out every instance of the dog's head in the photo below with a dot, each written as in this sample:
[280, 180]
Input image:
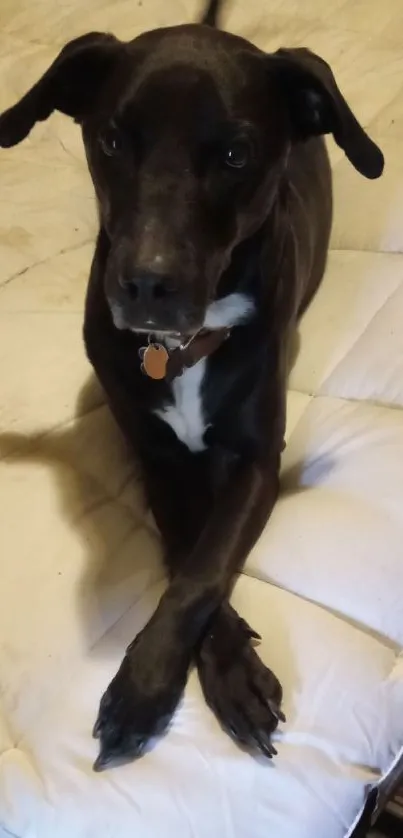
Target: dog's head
[187, 132]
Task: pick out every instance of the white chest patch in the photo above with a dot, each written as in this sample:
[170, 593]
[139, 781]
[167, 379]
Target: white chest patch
[186, 414]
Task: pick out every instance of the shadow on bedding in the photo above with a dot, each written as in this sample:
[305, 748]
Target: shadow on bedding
[100, 496]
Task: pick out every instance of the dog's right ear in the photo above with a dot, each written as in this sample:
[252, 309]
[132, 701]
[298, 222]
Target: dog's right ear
[70, 85]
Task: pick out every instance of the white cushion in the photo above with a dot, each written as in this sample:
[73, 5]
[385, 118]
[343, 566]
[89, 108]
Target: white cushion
[79, 562]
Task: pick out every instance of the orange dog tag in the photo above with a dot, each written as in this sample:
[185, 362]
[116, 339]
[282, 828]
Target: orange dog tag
[154, 360]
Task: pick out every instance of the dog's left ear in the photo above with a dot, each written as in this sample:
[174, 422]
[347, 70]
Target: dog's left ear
[316, 106]
[70, 85]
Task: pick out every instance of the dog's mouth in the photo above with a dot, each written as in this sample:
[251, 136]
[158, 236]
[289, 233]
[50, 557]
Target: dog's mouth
[221, 313]
[184, 326]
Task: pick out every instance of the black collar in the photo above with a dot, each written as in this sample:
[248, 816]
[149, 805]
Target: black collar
[159, 362]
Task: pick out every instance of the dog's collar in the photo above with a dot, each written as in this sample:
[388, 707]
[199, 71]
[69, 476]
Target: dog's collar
[160, 362]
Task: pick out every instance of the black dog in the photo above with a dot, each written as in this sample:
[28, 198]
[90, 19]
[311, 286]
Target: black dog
[214, 194]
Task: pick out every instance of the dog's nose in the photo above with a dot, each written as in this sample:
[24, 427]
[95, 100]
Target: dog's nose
[148, 288]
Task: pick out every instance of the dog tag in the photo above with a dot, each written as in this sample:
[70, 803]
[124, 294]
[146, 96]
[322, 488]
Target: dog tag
[154, 360]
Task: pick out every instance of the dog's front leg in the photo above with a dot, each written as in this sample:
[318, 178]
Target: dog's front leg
[142, 697]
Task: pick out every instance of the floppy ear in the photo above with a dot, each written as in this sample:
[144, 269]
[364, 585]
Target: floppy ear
[70, 85]
[316, 106]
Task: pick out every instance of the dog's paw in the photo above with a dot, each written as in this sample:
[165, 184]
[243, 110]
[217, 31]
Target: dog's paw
[242, 692]
[139, 702]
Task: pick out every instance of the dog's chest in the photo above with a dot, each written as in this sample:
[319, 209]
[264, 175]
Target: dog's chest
[186, 411]
[185, 414]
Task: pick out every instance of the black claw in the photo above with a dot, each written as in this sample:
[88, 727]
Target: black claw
[254, 635]
[96, 730]
[262, 739]
[100, 763]
[266, 751]
[250, 633]
[111, 757]
[275, 711]
[263, 748]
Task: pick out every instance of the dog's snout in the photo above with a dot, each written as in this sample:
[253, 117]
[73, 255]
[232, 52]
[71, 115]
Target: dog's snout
[147, 288]
[141, 298]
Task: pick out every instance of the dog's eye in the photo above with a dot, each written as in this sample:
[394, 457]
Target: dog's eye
[111, 141]
[237, 155]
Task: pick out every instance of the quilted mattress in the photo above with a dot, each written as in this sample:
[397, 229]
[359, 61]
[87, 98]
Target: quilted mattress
[80, 568]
